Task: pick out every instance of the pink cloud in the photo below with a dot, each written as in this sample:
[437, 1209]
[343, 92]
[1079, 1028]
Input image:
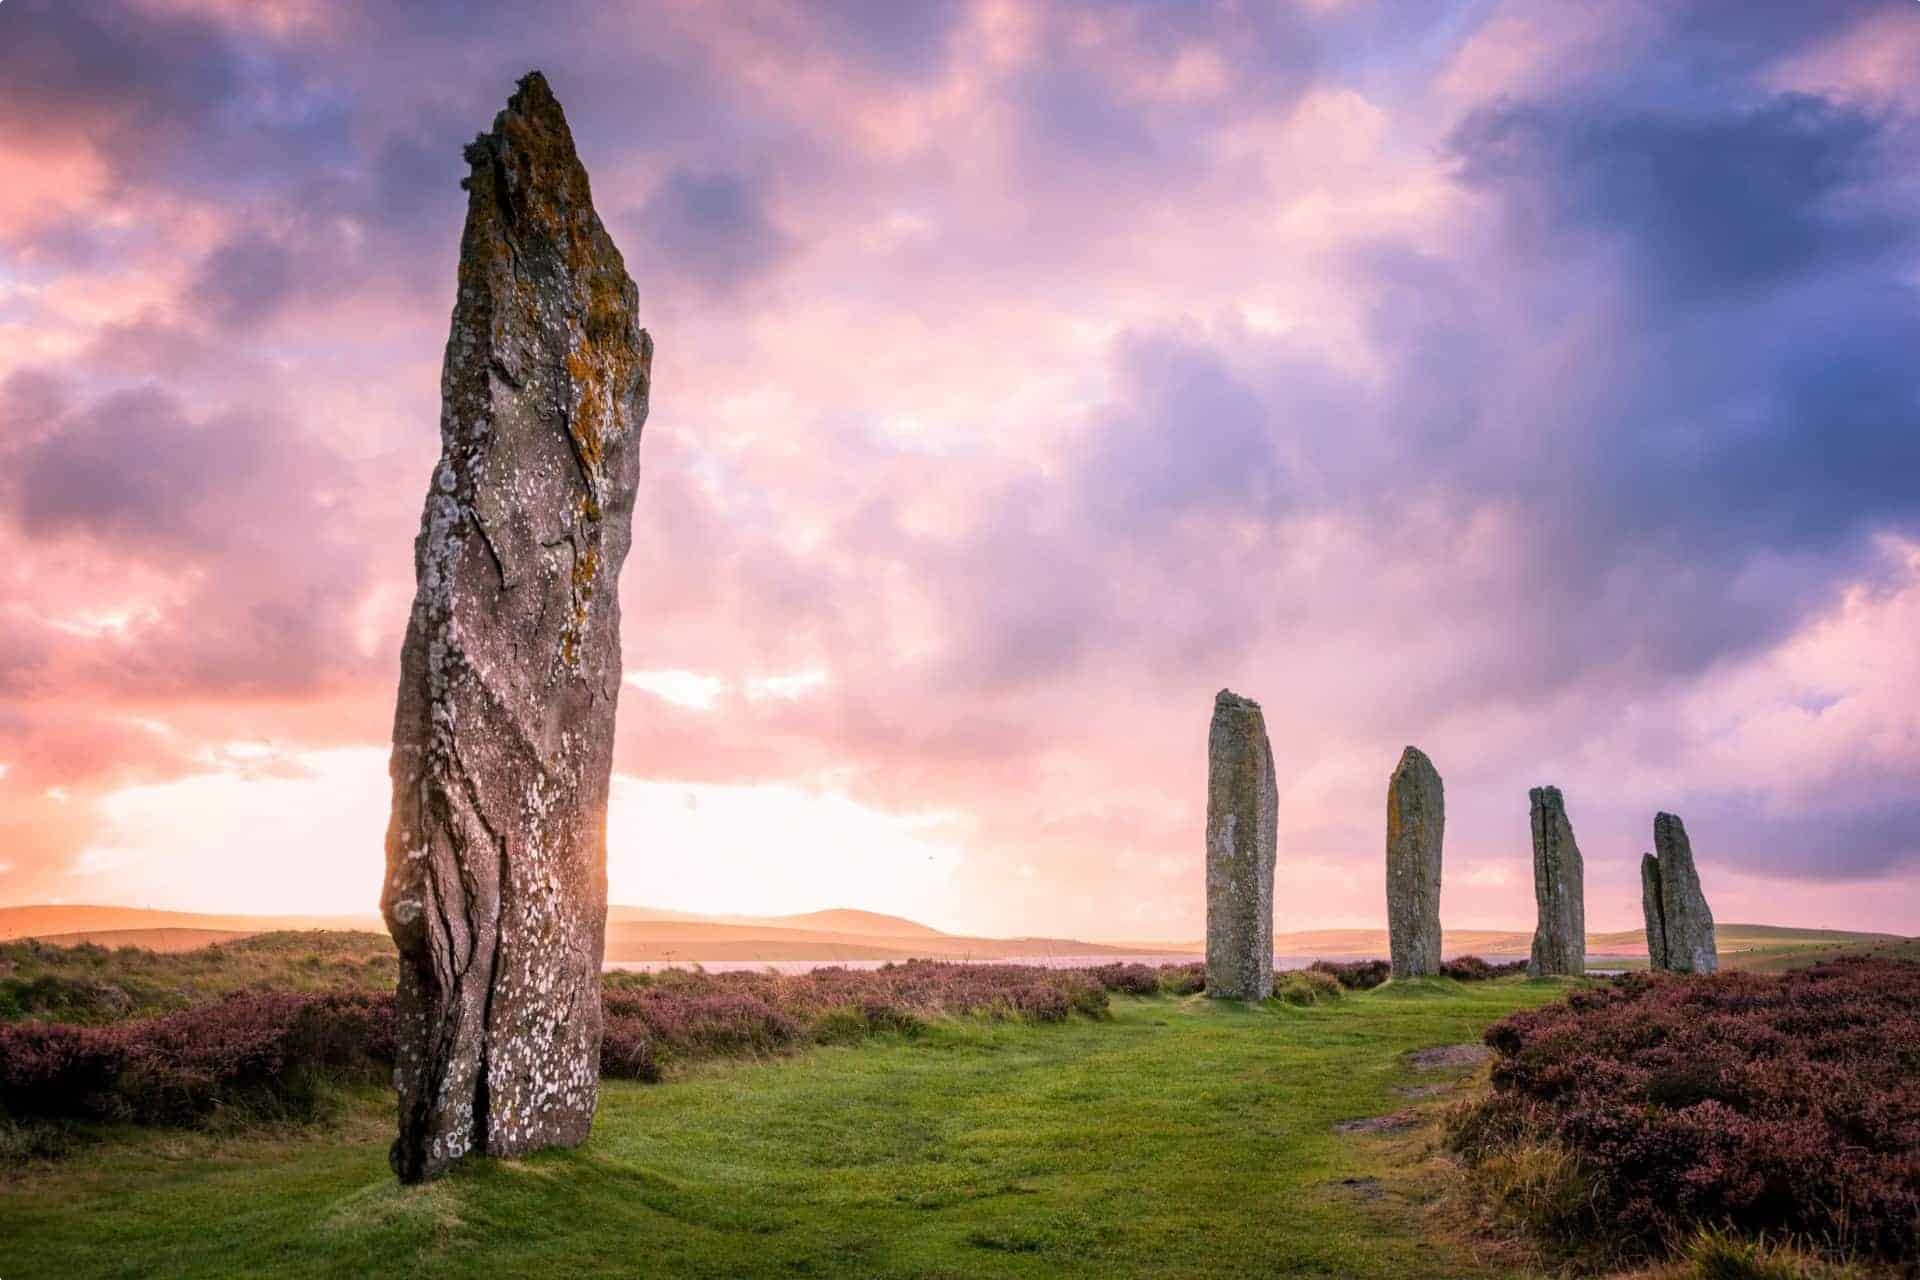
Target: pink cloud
[1029, 371]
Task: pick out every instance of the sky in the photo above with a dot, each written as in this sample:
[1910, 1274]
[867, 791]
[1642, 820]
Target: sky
[1532, 383]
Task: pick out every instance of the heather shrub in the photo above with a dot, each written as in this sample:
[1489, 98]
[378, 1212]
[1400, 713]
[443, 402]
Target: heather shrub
[261, 1054]
[685, 1023]
[60, 1070]
[1129, 979]
[692, 1013]
[1778, 1105]
[1042, 1003]
[1474, 969]
[626, 1051]
[1356, 975]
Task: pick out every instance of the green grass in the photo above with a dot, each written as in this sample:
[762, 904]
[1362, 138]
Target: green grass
[1763, 948]
[1778, 957]
[1181, 1137]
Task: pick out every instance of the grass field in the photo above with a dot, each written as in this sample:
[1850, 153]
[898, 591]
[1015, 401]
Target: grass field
[98, 984]
[1182, 1137]
[1759, 948]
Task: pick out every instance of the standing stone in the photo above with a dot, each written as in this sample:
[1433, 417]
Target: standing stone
[1243, 810]
[1689, 945]
[1560, 940]
[1655, 914]
[496, 888]
[1416, 823]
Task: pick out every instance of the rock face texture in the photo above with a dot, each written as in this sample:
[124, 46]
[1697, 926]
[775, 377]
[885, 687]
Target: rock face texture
[1416, 823]
[1243, 811]
[1559, 890]
[1655, 914]
[496, 887]
[1686, 925]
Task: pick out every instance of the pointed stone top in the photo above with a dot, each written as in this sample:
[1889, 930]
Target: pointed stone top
[528, 166]
[533, 242]
[1227, 699]
[1413, 758]
[1667, 822]
[532, 88]
[531, 112]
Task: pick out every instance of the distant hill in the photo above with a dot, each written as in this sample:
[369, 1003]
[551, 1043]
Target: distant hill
[634, 934]
[53, 920]
[1515, 943]
[837, 920]
[847, 920]
[165, 941]
[656, 934]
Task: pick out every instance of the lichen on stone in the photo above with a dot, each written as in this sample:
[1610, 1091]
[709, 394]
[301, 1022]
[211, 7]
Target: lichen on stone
[1242, 817]
[496, 885]
[1416, 828]
[1559, 888]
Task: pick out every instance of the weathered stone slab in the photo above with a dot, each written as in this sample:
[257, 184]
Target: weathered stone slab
[1559, 890]
[496, 886]
[1416, 825]
[1656, 916]
[1243, 812]
[1690, 945]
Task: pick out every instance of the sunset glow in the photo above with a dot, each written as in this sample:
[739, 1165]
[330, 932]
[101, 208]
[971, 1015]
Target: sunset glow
[1531, 383]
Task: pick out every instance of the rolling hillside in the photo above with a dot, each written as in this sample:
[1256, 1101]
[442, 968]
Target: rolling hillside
[634, 934]
[649, 934]
[1509, 944]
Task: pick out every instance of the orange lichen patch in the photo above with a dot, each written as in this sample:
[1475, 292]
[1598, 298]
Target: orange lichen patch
[583, 581]
[603, 357]
[585, 566]
[603, 362]
[569, 286]
[587, 420]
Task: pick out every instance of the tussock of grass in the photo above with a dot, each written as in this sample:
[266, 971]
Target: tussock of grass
[1724, 1255]
[1305, 987]
[1536, 1187]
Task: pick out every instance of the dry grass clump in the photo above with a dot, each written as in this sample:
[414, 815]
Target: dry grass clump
[1725, 1255]
[1305, 986]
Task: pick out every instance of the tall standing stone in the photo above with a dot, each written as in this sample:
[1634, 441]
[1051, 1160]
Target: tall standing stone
[1689, 945]
[1654, 912]
[1243, 811]
[1560, 939]
[496, 888]
[1416, 824]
